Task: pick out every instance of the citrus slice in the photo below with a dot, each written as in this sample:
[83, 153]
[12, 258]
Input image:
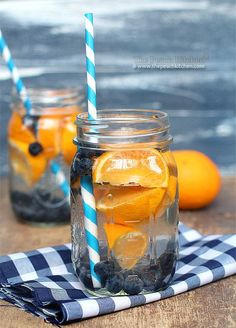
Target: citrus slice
[172, 188]
[127, 205]
[146, 168]
[68, 149]
[17, 130]
[127, 244]
[29, 167]
[48, 134]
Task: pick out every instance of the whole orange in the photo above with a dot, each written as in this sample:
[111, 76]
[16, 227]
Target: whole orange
[199, 179]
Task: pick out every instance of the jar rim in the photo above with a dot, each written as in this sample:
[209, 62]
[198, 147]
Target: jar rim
[123, 126]
[50, 100]
[121, 115]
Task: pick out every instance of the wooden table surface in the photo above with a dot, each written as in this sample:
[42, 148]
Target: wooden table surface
[213, 305]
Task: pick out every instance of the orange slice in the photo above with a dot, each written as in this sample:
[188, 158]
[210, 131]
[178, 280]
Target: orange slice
[49, 135]
[146, 168]
[128, 245]
[127, 205]
[68, 149]
[17, 130]
[172, 188]
[29, 167]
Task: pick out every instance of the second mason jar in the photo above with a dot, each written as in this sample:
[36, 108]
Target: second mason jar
[124, 202]
[40, 155]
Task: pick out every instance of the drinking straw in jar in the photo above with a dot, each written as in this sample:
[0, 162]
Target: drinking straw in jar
[87, 193]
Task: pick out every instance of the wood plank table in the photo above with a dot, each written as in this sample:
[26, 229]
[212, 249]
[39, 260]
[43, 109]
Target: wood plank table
[213, 305]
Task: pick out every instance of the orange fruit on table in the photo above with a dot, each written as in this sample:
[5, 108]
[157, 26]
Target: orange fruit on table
[146, 168]
[128, 244]
[130, 205]
[68, 149]
[30, 168]
[48, 134]
[199, 179]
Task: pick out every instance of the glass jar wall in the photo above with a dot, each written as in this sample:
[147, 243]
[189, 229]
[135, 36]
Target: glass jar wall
[36, 190]
[124, 226]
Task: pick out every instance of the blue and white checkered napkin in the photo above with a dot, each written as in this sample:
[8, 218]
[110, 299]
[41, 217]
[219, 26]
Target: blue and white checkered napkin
[43, 282]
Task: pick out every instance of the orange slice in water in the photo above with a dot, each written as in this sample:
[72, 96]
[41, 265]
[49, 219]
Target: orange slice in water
[18, 131]
[127, 244]
[29, 167]
[172, 188]
[146, 168]
[49, 135]
[68, 149]
[127, 205]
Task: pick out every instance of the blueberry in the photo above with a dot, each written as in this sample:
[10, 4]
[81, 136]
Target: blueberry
[167, 263]
[115, 283]
[35, 148]
[43, 195]
[81, 167]
[85, 277]
[133, 285]
[158, 284]
[84, 256]
[89, 153]
[85, 166]
[74, 176]
[157, 268]
[128, 273]
[149, 279]
[104, 269]
[152, 278]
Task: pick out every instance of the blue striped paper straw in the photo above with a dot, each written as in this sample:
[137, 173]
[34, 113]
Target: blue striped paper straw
[61, 179]
[21, 90]
[87, 193]
[90, 67]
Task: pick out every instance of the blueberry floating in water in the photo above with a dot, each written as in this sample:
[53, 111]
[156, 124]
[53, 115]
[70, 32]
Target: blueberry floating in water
[104, 268]
[115, 283]
[158, 284]
[157, 269]
[31, 207]
[89, 153]
[85, 166]
[35, 148]
[128, 273]
[167, 262]
[133, 285]
[85, 277]
[149, 280]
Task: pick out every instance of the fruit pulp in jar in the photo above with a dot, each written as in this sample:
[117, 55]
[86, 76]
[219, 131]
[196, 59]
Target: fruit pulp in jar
[136, 203]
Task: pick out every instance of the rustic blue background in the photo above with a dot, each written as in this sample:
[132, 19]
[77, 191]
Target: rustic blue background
[47, 41]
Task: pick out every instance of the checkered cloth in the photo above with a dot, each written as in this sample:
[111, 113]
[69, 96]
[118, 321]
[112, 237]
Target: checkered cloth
[42, 281]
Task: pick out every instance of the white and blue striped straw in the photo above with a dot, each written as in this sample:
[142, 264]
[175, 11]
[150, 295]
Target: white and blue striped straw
[21, 90]
[87, 193]
[90, 67]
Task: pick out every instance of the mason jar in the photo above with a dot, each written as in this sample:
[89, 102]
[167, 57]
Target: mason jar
[40, 155]
[124, 202]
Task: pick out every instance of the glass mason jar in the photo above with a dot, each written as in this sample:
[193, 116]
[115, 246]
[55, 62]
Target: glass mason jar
[126, 241]
[35, 192]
